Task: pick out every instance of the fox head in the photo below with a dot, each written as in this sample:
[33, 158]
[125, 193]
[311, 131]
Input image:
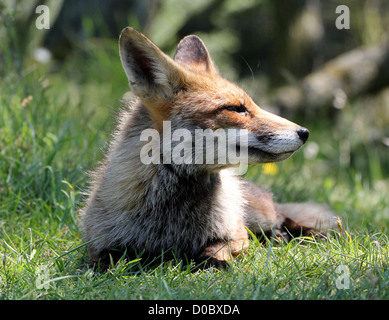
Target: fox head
[188, 91]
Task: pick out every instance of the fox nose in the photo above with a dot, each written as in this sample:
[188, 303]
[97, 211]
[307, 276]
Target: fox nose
[303, 133]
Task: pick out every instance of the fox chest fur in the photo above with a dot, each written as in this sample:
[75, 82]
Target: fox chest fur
[157, 207]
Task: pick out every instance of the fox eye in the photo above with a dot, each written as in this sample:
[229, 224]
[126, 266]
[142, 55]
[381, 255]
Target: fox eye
[237, 109]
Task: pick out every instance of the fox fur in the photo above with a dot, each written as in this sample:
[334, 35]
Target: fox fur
[197, 212]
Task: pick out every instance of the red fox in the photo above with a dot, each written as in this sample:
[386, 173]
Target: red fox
[199, 212]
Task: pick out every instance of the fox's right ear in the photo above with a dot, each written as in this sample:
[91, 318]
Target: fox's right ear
[193, 54]
[151, 73]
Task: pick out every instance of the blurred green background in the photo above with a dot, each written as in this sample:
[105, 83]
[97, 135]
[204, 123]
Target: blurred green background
[61, 89]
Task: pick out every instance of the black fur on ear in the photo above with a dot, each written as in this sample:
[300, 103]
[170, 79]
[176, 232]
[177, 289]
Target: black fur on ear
[150, 72]
[192, 53]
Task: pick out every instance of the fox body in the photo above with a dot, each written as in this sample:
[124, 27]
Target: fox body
[197, 211]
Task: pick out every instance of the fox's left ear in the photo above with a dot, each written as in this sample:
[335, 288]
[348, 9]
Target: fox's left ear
[151, 73]
[193, 54]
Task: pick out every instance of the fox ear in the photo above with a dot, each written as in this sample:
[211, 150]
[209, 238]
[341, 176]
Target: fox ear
[192, 53]
[151, 73]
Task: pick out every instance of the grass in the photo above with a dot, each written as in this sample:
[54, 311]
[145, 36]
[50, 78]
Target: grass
[53, 125]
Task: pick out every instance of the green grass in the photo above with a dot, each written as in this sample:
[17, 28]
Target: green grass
[48, 144]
